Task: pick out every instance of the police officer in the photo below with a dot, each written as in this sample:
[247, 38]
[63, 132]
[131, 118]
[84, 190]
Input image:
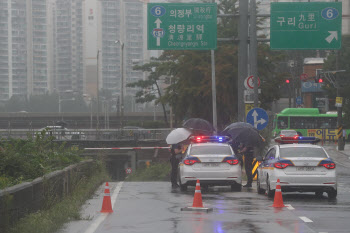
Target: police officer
[248, 153]
[175, 151]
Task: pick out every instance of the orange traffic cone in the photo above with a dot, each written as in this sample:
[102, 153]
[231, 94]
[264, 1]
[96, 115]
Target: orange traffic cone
[197, 200]
[107, 204]
[278, 201]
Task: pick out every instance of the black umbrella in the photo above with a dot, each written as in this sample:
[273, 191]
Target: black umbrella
[248, 135]
[240, 125]
[199, 125]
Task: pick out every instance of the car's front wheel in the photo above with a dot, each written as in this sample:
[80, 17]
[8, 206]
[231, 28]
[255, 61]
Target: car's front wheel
[332, 194]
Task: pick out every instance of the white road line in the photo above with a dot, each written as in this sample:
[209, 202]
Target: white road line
[289, 206]
[305, 219]
[103, 216]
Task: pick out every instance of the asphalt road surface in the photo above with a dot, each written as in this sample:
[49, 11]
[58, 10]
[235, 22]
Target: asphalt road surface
[155, 207]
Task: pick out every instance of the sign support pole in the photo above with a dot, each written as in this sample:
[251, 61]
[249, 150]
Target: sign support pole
[243, 57]
[213, 87]
[339, 109]
[253, 47]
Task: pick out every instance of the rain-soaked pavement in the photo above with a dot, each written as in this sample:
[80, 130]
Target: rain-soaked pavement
[142, 207]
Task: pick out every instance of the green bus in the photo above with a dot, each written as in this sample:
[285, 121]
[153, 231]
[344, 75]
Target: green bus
[308, 122]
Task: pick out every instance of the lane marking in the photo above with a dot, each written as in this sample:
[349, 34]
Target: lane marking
[289, 206]
[305, 219]
[103, 216]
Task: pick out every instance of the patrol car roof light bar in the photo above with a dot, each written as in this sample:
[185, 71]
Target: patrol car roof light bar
[199, 139]
[297, 139]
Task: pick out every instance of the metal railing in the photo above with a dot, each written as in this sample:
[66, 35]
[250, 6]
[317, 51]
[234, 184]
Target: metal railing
[89, 134]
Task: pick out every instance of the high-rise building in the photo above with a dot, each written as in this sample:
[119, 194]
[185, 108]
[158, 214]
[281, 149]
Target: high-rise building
[68, 48]
[107, 25]
[24, 63]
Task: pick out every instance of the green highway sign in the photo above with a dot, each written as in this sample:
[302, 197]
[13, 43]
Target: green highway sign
[181, 26]
[305, 25]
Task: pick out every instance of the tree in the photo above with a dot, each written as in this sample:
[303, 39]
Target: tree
[190, 93]
[149, 88]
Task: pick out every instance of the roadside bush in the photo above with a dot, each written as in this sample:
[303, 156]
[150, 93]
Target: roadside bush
[155, 172]
[24, 160]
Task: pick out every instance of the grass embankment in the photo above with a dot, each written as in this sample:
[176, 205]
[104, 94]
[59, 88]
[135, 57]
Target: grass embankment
[155, 172]
[52, 219]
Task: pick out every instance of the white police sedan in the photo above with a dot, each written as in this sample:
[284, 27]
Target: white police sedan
[211, 160]
[300, 168]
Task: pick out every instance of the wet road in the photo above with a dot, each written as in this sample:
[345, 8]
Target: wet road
[155, 207]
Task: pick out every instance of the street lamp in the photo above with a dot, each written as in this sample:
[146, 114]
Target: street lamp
[97, 93]
[122, 83]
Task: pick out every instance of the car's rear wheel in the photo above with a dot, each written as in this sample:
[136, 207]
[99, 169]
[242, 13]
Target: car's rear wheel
[260, 190]
[270, 193]
[332, 194]
[236, 187]
[183, 187]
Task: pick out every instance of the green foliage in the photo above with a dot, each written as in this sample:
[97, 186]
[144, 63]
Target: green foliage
[52, 219]
[155, 172]
[24, 160]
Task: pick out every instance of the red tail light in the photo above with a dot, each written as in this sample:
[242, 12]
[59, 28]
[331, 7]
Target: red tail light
[190, 161]
[232, 161]
[328, 165]
[281, 165]
[281, 135]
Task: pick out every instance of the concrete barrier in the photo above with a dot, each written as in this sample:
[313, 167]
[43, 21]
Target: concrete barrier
[29, 197]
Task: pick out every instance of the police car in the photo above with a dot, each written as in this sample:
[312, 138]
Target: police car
[300, 166]
[211, 160]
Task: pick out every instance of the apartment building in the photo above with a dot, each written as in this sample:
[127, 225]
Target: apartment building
[116, 23]
[24, 60]
[68, 48]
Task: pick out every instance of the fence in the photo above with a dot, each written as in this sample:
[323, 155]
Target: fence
[89, 134]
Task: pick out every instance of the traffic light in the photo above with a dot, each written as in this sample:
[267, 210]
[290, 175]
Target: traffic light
[319, 76]
[287, 80]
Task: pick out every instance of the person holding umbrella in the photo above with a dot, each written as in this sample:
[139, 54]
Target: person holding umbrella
[248, 152]
[175, 151]
[176, 139]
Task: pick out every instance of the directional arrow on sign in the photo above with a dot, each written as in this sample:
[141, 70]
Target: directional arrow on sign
[256, 121]
[333, 35]
[158, 22]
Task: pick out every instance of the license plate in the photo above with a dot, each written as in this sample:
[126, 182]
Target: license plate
[211, 164]
[306, 168]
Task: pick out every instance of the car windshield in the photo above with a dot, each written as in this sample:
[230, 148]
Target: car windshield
[302, 152]
[210, 149]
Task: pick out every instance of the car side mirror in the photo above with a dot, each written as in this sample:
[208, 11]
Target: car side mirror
[259, 158]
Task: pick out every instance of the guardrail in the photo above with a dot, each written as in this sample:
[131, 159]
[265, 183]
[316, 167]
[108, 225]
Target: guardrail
[90, 134]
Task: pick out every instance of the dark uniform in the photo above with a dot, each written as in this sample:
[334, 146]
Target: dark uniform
[174, 161]
[248, 164]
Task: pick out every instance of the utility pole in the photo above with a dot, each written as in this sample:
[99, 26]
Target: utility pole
[253, 50]
[339, 109]
[242, 57]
